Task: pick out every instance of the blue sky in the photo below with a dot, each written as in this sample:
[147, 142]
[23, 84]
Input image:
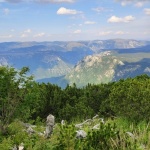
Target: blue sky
[69, 20]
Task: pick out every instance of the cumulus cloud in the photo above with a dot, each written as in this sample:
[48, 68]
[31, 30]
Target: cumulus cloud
[89, 22]
[77, 31]
[147, 11]
[125, 19]
[65, 11]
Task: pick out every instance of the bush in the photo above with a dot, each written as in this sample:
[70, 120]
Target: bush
[102, 138]
[130, 98]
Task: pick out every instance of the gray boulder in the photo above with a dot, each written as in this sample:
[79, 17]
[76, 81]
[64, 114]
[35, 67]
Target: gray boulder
[21, 146]
[50, 122]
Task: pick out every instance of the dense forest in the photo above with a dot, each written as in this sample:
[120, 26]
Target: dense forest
[24, 100]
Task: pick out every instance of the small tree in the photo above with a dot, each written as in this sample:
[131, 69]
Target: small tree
[13, 88]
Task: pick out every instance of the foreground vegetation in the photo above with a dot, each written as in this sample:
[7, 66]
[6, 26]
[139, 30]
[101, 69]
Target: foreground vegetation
[118, 134]
[125, 106]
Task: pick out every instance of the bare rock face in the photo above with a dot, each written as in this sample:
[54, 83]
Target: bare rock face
[49, 125]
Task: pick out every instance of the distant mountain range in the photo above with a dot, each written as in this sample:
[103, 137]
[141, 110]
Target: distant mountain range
[82, 62]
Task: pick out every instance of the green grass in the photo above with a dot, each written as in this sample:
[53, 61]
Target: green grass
[113, 135]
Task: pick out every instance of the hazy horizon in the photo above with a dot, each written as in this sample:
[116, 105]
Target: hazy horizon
[73, 40]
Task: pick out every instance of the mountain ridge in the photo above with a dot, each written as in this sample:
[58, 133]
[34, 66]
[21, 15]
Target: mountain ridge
[56, 61]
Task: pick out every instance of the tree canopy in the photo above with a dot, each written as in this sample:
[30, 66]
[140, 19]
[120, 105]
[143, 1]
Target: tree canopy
[21, 97]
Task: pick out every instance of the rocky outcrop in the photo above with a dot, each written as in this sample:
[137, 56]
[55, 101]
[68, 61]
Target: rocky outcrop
[50, 122]
[20, 147]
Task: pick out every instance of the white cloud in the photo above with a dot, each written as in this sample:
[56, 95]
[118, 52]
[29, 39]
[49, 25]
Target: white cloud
[114, 19]
[125, 19]
[101, 9]
[139, 4]
[89, 22]
[103, 33]
[24, 35]
[65, 11]
[128, 18]
[124, 3]
[28, 31]
[147, 11]
[77, 31]
[6, 11]
[39, 35]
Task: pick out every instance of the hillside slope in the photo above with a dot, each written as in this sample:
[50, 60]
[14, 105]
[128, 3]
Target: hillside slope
[81, 62]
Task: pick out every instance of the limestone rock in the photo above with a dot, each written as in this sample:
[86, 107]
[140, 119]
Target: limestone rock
[50, 122]
[81, 134]
[21, 146]
[130, 134]
[30, 130]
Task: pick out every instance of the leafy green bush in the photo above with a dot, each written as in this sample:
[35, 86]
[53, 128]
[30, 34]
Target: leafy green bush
[101, 138]
[130, 98]
[66, 138]
[6, 144]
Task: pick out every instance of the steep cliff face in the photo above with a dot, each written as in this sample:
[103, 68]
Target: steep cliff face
[98, 68]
